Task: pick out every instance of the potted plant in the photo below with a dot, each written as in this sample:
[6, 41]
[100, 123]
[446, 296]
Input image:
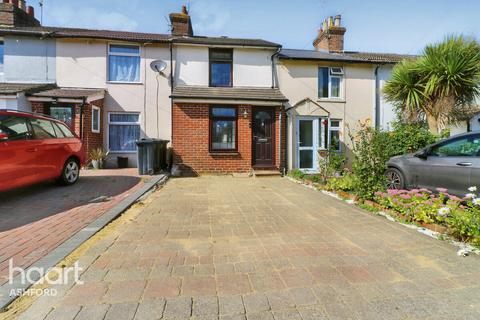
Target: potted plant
[96, 157]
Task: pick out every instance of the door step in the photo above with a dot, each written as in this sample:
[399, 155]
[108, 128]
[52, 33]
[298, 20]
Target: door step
[266, 173]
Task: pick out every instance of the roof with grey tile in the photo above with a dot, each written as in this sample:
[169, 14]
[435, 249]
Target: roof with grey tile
[231, 93]
[347, 56]
[72, 93]
[8, 88]
[55, 32]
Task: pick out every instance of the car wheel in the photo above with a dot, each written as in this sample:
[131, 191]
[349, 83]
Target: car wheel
[395, 179]
[70, 173]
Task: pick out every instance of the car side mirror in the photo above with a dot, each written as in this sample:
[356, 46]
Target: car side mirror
[3, 136]
[423, 154]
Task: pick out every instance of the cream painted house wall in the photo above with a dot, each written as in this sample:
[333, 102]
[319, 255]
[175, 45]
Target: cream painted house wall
[251, 66]
[83, 63]
[299, 80]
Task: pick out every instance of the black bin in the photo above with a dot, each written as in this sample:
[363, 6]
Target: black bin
[152, 156]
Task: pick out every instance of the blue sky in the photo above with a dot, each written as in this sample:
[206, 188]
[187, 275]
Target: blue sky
[402, 26]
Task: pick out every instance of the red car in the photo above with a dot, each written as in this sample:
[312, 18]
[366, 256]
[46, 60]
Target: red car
[35, 148]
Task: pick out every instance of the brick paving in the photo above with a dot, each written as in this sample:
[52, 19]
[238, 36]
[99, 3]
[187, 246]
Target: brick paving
[36, 219]
[226, 248]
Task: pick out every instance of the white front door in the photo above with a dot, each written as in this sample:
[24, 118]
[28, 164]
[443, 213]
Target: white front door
[311, 137]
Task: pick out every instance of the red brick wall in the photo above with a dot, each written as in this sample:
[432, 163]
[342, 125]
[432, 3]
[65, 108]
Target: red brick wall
[190, 141]
[91, 140]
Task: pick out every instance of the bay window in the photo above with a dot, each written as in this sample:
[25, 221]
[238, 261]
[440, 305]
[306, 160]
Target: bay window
[123, 63]
[223, 129]
[123, 131]
[330, 82]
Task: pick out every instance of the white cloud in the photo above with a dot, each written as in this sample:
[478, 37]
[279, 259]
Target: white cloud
[88, 17]
[209, 16]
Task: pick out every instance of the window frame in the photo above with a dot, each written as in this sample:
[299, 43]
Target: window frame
[336, 129]
[28, 134]
[96, 109]
[139, 123]
[121, 54]
[213, 118]
[211, 61]
[339, 75]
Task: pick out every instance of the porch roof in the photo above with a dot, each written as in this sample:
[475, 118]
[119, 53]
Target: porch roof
[9, 88]
[87, 94]
[229, 93]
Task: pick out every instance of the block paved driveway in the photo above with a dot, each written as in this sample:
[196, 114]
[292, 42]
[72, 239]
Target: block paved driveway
[237, 248]
[36, 219]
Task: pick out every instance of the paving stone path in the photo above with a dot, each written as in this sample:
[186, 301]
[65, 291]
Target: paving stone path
[238, 248]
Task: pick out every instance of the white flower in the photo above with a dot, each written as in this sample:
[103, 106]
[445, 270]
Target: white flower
[443, 212]
[470, 195]
[476, 201]
[472, 189]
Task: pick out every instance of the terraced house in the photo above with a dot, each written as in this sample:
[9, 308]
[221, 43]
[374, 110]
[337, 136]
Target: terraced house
[225, 104]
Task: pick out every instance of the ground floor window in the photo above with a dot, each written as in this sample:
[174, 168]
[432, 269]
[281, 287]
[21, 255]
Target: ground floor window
[223, 129]
[123, 131]
[63, 113]
[334, 135]
[95, 119]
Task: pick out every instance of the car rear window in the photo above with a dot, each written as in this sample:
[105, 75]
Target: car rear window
[66, 132]
[15, 127]
[43, 129]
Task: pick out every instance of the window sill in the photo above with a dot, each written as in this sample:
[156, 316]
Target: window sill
[124, 82]
[220, 153]
[331, 100]
[121, 152]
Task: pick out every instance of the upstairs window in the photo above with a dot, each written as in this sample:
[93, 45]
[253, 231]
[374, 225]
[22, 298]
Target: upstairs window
[330, 82]
[221, 67]
[123, 63]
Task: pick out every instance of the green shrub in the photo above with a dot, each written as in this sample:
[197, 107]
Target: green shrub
[373, 148]
[345, 182]
[297, 174]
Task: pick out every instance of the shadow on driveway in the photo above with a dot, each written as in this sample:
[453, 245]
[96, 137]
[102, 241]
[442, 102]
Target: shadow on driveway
[26, 205]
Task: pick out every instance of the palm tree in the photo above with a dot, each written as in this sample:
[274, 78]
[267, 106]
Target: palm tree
[440, 86]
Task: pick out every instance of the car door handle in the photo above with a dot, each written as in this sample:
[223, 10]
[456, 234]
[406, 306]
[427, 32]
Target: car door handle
[32, 150]
[464, 164]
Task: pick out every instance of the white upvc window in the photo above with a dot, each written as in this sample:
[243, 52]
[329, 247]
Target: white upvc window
[123, 63]
[334, 135]
[330, 82]
[96, 119]
[123, 131]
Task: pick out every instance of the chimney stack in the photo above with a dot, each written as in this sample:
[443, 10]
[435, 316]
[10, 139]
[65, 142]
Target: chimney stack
[330, 36]
[181, 23]
[15, 13]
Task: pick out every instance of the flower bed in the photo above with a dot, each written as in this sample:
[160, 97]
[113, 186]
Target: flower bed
[459, 217]
[438, 211]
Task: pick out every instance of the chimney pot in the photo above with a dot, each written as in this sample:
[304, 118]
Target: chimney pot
[331, 35]
[184, 9]
[31, 11]
[21, 4]
[14, 2]
[338, 19]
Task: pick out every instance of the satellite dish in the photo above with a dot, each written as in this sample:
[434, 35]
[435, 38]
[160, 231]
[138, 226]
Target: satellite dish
[158, 66]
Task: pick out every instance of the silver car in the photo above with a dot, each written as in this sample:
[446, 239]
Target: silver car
[453, 164]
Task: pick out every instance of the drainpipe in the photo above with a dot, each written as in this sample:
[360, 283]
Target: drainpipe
[377, 98]
[81, 118]
[285, 169]
[273, 65]
[280, 139]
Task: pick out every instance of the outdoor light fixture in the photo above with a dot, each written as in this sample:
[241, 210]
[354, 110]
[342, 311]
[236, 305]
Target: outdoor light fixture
[245, 113]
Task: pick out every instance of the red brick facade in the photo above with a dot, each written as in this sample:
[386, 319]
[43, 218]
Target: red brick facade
[91, 140]
[190, 141]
